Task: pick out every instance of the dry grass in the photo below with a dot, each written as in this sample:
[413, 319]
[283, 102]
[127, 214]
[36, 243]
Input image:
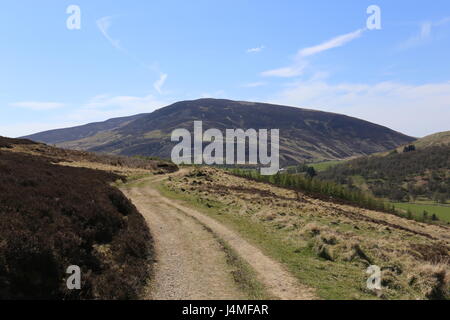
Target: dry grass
[433, 280]
[342, 239]
[75, 158]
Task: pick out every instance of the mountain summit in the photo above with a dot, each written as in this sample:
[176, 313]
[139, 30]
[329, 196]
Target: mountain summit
[305, 135]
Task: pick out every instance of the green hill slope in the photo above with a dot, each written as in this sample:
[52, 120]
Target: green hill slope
[406, 176]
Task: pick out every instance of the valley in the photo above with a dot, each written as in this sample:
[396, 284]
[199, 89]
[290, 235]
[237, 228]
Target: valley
[197, 232]
[225, 159]
[417, 182]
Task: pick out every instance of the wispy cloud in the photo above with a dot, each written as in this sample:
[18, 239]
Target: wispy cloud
[300, 62]
[219, 94]
[254, 84]
[142, 104]
[104, 24]
[442, 22]
[160, 82]
[408, 108]
[19, 129]
[37, 105]
[418, 39]
[293, 70]
[98, 108]
[105, 106]
[255, 50]
[336, 42]
[424, 34]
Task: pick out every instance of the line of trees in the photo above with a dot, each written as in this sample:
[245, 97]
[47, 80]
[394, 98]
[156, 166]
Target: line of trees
[399, 176]
[316, 186]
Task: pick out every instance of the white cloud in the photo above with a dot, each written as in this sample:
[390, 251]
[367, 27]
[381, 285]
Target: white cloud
[298, 66]
[417, 110]
[104, 107]
[255, 50]
[19, 129]
[287, 72]
[424, 34]
[160, 82]
[338, 41]
[98, 108]
[37, 105]
[418, 39]
[254, 84]
[442, 22]
[219, 94]
[104, 24]
[119, 105]
[425, 29]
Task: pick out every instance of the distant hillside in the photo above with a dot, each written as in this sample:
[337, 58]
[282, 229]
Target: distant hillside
[80, 132]
[305, 135]
[399, 176]
[433, 140]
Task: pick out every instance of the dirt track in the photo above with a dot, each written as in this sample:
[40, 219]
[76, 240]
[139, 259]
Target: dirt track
[191, 262]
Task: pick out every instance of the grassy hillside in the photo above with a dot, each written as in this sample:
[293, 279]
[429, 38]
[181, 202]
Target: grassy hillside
[84, 131]
[324, 165]
[326, 245]
[406, 176]
[441, 138]
[305, 135]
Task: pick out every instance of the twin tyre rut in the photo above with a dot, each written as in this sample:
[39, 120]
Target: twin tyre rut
[191, 263]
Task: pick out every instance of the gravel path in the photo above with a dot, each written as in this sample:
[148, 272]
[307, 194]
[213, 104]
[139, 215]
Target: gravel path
[191, 263]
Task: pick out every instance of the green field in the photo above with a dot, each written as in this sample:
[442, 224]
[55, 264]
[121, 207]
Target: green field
[322, 166]
[442, 212]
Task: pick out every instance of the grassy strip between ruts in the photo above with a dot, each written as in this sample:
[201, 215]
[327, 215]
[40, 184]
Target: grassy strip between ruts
[243, 274]
[331, 280]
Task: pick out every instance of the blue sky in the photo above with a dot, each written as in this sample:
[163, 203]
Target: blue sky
[136, 56]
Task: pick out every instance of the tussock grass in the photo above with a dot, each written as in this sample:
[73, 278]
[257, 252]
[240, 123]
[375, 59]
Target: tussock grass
[433, 280]
[326, 245]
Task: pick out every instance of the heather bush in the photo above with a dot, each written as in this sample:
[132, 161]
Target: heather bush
[55, 216]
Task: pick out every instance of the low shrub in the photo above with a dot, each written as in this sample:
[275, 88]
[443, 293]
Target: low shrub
[55, 216]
